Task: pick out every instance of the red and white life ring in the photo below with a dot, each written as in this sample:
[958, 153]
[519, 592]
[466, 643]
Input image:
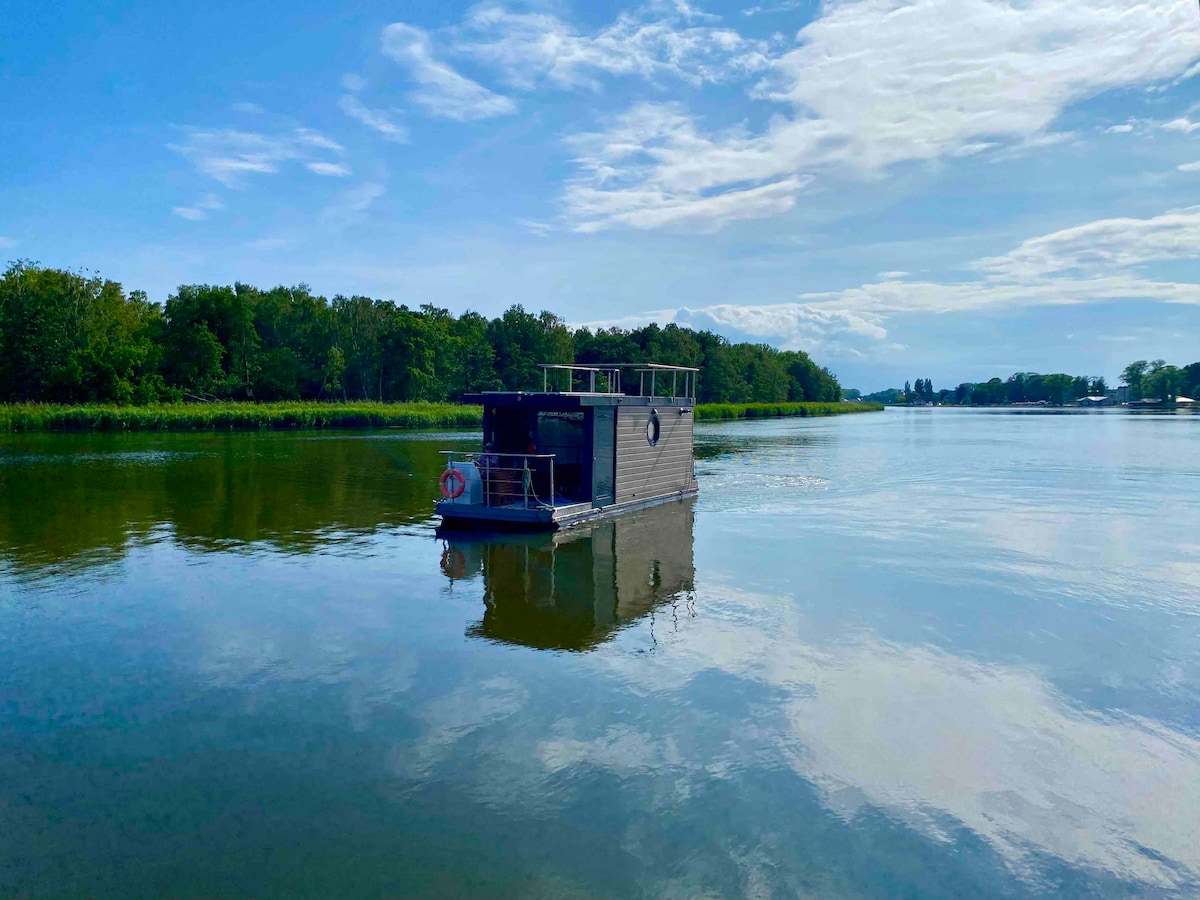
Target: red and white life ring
[456, 475]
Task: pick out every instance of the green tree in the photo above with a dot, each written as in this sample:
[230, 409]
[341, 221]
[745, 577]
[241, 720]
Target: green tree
[359, 324]
[69, 337]
[523, 341]
[1192, 374]
[210, 343]
[1164, 382]
[1133, 375]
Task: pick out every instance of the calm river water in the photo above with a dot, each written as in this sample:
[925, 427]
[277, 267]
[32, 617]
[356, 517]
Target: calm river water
[927, 653]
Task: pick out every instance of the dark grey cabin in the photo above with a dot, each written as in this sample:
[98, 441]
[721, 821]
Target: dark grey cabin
[597, 440]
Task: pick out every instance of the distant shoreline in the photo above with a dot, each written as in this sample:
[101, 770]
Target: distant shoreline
[316, 416]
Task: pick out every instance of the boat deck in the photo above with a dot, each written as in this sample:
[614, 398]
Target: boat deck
[461, 515]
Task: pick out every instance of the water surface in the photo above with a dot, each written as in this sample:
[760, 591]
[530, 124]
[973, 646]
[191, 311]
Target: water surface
[917, 653]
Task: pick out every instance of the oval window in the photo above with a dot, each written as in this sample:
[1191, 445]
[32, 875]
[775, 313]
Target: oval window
[653, 428]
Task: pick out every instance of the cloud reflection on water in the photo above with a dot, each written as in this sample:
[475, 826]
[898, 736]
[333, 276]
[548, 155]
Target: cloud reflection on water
[926, 734]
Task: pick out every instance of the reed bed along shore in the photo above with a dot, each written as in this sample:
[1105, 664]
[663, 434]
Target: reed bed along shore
[237, 416]
[707, 412]
[27, 417]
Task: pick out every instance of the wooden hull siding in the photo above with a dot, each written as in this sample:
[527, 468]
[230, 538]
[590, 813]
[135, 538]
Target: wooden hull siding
[645, 471]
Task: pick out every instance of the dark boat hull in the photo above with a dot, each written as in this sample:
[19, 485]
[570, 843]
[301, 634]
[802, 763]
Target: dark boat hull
[473, 517]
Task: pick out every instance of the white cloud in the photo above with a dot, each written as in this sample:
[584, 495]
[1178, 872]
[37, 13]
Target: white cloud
[940, 297]
[792, 326]
[352, 206]
[352, 82]
[7, 242]
[873, 83]
[622, 181]
[1183, 125]
[200, 209]
[373, 118]
[637, 320]
[1190, 167]
[532, 48]
[229, 156]
[1119, 129]
[1090, 263]
[538, 229]
[1085, 264]
[309, 138]
[444, 92]
[335, 170]
[763, 8]
[1103, 245]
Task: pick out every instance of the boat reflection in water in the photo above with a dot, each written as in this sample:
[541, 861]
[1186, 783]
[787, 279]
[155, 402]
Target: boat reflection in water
[574, 589]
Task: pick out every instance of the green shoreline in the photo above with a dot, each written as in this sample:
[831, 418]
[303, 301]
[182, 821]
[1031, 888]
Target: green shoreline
[712, 412]
[38, 417]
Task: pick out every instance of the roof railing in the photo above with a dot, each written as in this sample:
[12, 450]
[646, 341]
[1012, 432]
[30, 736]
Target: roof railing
[568, 374]
[608, 375]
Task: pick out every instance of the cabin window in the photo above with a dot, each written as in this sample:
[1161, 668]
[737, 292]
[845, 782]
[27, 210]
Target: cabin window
[653, 428]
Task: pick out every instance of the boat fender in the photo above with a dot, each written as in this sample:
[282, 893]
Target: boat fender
[452, 493]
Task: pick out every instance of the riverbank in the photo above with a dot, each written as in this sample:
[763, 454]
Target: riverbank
[709, 412]
[27, 417]
[237, 416]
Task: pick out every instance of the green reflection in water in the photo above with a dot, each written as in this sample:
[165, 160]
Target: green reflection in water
[573, 589]
[69, 502]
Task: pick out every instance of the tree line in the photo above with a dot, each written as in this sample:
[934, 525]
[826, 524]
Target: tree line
[1159, 381]
[1156, 380]
[69, 337]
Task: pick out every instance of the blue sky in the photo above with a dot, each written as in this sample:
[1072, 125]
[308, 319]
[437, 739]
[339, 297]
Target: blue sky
[948, 189]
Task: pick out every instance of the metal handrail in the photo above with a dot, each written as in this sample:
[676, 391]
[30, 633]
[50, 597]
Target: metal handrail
[489, 472]
[612, 375]
[612, 371]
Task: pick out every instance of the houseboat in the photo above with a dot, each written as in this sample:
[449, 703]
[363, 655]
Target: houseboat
[595, 441]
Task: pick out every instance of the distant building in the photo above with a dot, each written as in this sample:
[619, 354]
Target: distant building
[1092, 400]
[1120, 395]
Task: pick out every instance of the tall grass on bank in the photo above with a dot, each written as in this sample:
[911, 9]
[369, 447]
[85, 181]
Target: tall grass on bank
[298, 415]
[237, 416]
[706, 412]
